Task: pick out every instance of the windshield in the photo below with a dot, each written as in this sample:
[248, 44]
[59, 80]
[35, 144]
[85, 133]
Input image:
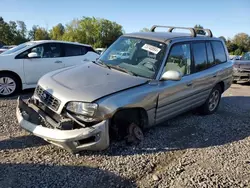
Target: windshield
[246, 56]
[140, 57]
[17, 48]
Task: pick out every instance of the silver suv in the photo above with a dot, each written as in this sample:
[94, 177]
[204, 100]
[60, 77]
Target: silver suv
[165, 74]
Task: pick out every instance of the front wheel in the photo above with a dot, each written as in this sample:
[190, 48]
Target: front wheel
[213, 101]
[9, 84]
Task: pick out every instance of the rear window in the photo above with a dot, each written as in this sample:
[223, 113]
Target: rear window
[219, 52]
[74, 50]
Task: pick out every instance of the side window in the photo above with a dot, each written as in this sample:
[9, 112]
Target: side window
[200, 56]
[52, 50]
[179, 59]
[219, 52]
[48, 50]
[74, 50]
[210, 56]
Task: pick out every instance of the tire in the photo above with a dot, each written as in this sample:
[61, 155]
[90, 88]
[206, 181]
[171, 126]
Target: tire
[212, 103]
[9, 84]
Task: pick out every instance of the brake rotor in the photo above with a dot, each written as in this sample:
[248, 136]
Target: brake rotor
[135, 133]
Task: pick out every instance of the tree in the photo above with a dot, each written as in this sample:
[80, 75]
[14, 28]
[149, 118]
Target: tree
[41, 34]
[22, 28]
[238, 52]
[242, 40]
[56, 33]
[5, 36]
[96, 32]
[201, 32]
[32, 32]
[145, 30]
[231, 46]
[224, 39]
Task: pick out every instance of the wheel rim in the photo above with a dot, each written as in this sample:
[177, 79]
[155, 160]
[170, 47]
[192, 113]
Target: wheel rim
[7, 86]
[214, 100]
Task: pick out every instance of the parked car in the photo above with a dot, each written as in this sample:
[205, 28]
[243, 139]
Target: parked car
[120, 55]
[100, 50]
[241, 68]
[22, 66]
[5, 48]
[80, 108]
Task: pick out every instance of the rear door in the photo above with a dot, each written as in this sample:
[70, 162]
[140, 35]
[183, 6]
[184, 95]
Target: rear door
[77, 54]
[49, 59]
[206, 71]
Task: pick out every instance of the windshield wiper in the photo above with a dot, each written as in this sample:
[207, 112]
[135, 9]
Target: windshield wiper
[99, 62]
[117, 67]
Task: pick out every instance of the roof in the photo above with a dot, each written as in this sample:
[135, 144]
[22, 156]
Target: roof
[58, 41]
[162, 36]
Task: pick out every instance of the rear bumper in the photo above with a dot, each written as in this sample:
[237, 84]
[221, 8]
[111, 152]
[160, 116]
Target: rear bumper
[72, 140]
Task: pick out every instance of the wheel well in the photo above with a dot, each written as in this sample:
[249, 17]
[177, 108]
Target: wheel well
[15, 75]
[222, 85]
[139, 115]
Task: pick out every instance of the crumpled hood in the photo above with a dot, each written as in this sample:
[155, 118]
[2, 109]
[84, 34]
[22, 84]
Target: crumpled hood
[87, 82]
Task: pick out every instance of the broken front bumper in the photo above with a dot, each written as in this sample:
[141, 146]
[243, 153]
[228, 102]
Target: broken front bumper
[95, 137]
[241, 75]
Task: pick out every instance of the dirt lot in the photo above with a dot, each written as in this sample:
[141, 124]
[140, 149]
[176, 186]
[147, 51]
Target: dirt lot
[189, 151]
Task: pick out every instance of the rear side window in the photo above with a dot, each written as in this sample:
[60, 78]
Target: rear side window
[200, 56]
[74, 50]
[219, 52]
[210, 56]
[90, 49]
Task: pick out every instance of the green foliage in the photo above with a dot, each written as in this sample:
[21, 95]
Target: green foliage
[96, 32]
[239, 44]
[201, 32]
[41, 34]
[57, 32]
[224, 39]
[145, 30]
[12, 32]
[243, 41]
[238, 52]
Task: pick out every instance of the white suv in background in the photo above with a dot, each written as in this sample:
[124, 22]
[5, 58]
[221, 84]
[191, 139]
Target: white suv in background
[22, 66]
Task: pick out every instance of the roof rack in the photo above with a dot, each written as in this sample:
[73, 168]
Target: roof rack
[193, 31]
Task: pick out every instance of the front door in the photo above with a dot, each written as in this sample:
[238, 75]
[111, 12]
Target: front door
[176, 97]
[49, 59]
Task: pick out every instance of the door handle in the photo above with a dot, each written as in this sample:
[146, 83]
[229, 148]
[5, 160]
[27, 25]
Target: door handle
[215, 75]
[189, 83]
[58, 61]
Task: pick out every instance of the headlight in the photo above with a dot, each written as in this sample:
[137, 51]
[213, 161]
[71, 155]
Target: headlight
[87, 109]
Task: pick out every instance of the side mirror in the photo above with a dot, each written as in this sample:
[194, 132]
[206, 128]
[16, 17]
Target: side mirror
[171, 75]
[33, 55]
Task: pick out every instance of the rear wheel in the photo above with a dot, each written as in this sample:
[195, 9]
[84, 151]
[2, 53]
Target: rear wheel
[9, 84]
[213, 101]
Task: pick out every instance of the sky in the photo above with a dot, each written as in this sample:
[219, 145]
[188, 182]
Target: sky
[223, 17]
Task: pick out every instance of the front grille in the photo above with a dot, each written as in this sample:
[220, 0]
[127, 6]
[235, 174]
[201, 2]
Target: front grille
[47, 98]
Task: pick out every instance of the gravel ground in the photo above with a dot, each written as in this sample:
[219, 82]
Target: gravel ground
[188, 151]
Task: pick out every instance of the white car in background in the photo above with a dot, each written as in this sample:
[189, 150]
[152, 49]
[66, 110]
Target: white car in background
[5, 48]
[22, 66]
[100, 50]
[120, 55]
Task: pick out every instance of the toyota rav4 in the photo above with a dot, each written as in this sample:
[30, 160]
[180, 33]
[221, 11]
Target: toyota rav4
[165, 74]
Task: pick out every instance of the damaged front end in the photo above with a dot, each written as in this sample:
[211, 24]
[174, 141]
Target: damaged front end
[61, 130]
